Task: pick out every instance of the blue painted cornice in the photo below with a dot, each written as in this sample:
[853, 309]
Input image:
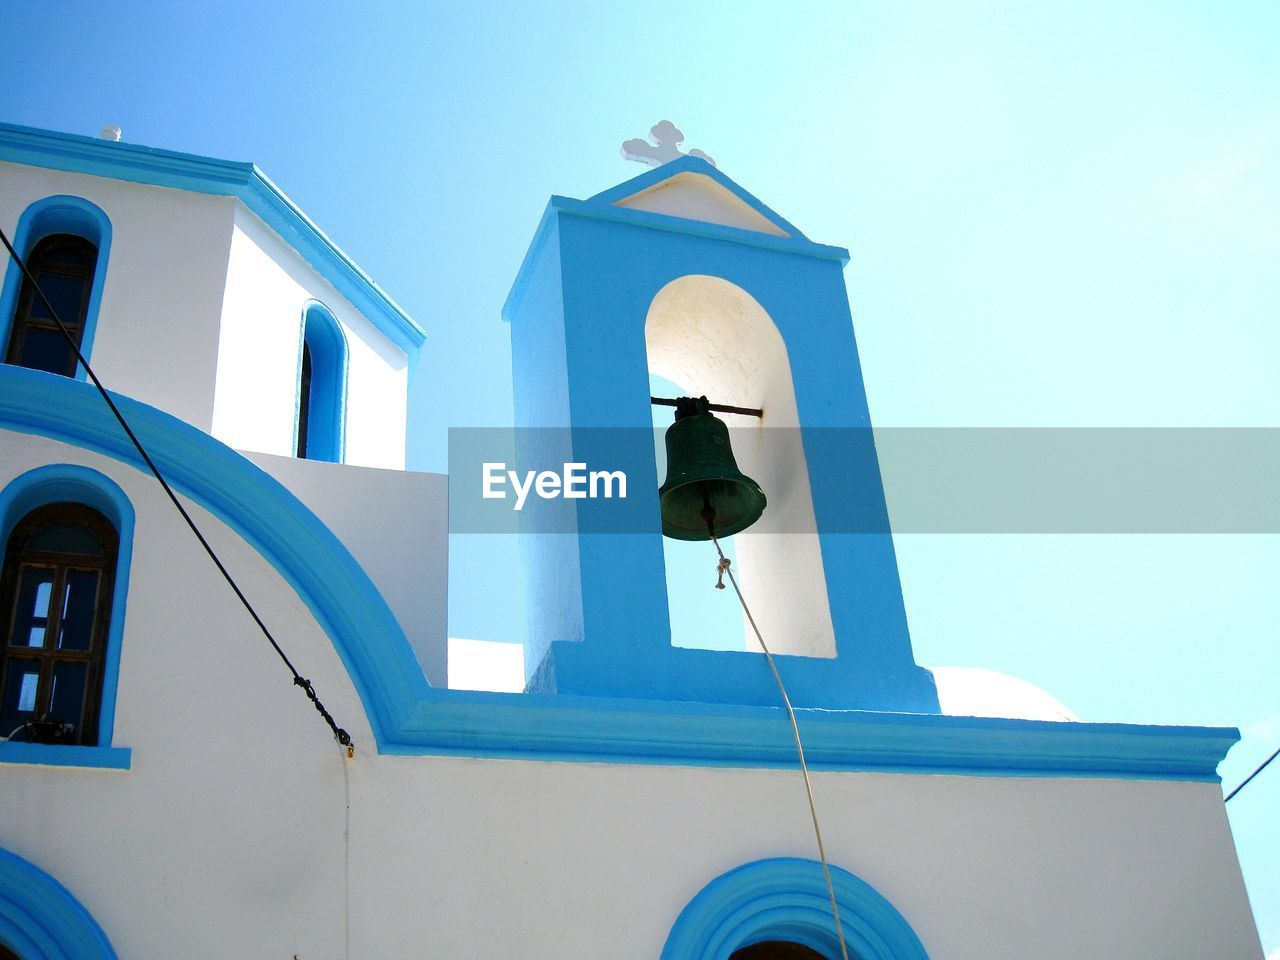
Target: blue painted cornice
[594, 209]
[407, 716]
[223, 178]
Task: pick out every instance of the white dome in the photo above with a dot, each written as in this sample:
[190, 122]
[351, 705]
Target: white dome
[975, 692]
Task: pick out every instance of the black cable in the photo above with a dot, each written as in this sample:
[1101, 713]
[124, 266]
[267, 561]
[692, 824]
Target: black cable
[339, 734]
[1262, 766]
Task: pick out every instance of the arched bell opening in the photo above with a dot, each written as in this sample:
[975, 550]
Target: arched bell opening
[710, 337]
[701, 617]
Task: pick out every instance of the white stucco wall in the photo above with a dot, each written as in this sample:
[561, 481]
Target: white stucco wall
[267, 286]
[201, 316]
[396, 525]
[157, 333]
[229, 835]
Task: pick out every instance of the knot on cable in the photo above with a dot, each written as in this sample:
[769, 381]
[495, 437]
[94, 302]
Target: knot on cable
[721, 569]
[343, 738]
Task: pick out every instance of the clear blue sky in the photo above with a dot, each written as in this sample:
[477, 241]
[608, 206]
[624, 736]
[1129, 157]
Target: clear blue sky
[1060, 214]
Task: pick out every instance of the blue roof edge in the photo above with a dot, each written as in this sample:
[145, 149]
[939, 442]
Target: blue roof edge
[594, 210]
[156, 167]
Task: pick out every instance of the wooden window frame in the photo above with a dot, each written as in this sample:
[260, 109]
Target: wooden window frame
[17, 557]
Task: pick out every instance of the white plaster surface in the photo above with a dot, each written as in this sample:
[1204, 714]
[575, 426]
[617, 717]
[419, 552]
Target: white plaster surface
[396, 525]
[976, 692]
[485, 665]
[259, 355]
[157, 333]
[201, 316]
[698, 197]
[230, 837]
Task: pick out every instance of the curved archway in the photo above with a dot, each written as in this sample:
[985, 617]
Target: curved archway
[786, 899]
[54, 215]
[712, 337]
[41, 920]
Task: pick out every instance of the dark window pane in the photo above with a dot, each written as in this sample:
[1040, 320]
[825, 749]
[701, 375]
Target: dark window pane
[44, 349]
[304, 401]
[19, 698]
[31, 620]
[66, 293]
[66, 538]
[776, 950]
[66, 700]
[78, 605]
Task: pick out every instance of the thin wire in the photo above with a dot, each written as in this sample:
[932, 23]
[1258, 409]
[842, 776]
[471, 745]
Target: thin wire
[722, 568]
[1262, 766]
[346, 858]
[339, 734]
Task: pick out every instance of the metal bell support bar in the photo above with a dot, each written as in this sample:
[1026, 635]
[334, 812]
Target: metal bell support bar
[713, 407]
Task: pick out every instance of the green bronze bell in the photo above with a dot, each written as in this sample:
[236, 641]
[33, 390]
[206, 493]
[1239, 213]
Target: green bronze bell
[703, 480]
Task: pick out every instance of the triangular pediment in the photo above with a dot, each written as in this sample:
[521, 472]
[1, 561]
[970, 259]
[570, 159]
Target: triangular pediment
[695, 190]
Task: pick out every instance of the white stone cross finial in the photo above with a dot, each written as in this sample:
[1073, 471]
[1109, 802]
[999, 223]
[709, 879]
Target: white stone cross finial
[666, 137]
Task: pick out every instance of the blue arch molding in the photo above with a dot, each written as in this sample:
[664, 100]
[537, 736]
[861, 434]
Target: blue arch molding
[59, 214]
[41, 920]
[787, 899]
[55, 483]
[326, 431]
[223, 178]
[407, 716]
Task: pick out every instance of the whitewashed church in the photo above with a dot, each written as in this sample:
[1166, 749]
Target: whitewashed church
[169, 792]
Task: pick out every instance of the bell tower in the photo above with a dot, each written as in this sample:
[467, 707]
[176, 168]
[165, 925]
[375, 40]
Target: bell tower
[682, 273]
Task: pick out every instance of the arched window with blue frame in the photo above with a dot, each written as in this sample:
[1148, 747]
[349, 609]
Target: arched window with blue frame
[67, 534]
[65, 242]
[780, 909]
[40, 918]
[322, 386]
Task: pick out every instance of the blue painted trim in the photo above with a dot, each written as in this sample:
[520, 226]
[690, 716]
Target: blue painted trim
[408, 717]
[55, 483]
[306, 553]
[40, 919]
[591, 210]
[786, 899]
[58, 755]
[58, 214]
[694, 165]
[223, 178]
[327, 422]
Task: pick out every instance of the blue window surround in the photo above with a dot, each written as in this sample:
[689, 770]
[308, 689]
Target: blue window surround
[786, 899]
[327, 417]
[222, 178]
[56, 483]
[39, 917]
[60, 214]
[408, 717]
